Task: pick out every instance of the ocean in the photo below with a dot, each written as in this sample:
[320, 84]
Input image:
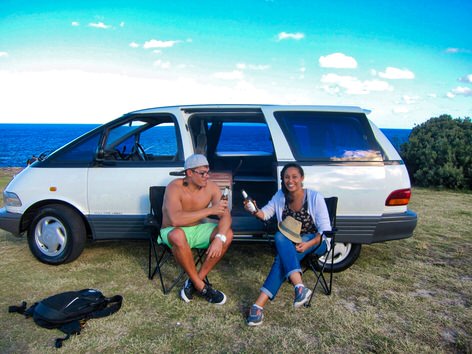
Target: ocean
[21, 141]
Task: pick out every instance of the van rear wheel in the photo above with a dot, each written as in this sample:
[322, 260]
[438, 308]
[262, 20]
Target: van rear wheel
[345, 255]
[56, 235]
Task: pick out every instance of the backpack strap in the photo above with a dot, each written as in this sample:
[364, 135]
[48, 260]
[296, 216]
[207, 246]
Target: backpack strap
[58, 341]
[113, 304]
[20, 309]
[73, 327]
[28, 312]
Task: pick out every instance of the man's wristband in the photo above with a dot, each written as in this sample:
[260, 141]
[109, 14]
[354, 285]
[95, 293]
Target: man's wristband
[221, 237]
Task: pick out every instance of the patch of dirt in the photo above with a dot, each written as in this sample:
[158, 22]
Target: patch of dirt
[9, 171]
[349, 305]
[422, 293]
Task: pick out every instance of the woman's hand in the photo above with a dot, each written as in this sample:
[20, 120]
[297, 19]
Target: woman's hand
[304, 246]
[247, 207]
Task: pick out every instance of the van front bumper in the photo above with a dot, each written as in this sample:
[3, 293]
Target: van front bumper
[376, 229]
[10, 221]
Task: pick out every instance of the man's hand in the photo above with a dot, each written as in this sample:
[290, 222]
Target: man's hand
[220, 208]
[215, 249]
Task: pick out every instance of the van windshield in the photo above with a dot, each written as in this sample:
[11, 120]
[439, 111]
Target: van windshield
[329, 136]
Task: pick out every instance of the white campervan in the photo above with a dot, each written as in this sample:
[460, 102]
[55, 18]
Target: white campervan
[97, 185]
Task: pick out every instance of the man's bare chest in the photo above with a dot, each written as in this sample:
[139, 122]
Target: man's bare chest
[195, 201]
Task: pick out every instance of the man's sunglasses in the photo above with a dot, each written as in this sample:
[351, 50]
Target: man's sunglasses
[202, 173]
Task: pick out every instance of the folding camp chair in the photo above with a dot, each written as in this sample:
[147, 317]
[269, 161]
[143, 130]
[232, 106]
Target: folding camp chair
[314, 262]
[153, 223]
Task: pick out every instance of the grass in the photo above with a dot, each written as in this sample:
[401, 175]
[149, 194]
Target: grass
[410, 296]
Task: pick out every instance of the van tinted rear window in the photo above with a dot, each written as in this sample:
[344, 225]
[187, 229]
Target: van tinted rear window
[329, 136]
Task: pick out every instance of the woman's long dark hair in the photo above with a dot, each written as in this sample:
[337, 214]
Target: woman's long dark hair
[288, 198]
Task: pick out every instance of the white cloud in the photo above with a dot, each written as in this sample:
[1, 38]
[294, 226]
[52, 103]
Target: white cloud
[285, 35]
[337, 60]
[259, 67]
[409, 99]
[450, 95]
[162, 64]
[100, 97]
[457, 50]
[99, 25]
[157, 51]
[396, 74]
[154, 43]
[351, 85]
[400, 109]
[432, 95]
[75, 24]
[452, 50]
[134, 45]
[3, 54]
[122, 24]
[462, 91]
[466, 78]
[229, 75]
[255, 67]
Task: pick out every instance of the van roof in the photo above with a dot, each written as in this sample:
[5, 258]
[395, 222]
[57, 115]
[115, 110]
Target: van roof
[245, 107]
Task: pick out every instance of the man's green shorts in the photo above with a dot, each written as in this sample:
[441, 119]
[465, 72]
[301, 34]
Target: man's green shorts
[198, 236]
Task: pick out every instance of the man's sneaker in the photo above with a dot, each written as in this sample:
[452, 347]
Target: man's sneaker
[187, 291]
[302, 295]
[255, 317]
[213, 296]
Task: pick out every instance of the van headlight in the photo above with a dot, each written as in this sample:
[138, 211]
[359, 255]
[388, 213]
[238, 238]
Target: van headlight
[11, 199]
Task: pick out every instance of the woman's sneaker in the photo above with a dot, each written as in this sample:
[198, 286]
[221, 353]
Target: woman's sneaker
[213, 296]
[302, 295]
[187, 291]
[255, 317]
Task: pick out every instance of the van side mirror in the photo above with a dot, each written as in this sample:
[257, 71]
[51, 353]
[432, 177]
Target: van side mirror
[100, 155]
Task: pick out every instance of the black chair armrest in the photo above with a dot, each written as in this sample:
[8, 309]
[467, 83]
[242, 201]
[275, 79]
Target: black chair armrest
[330, 234]
[150, 221]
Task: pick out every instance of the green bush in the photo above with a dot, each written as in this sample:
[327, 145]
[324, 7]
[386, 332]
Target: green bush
[439, 153]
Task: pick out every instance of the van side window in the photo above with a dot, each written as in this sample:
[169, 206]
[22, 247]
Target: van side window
[83, 152]
[329, 136]
[143, 140]
[245, 137]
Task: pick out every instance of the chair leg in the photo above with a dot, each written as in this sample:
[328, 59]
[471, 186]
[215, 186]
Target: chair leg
[320, 278]
[161, 260]
[149, 258]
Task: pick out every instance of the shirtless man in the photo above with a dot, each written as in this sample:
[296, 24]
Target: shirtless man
[186, 204]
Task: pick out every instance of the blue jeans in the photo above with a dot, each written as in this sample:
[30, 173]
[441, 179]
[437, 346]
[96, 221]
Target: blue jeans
[287, 261]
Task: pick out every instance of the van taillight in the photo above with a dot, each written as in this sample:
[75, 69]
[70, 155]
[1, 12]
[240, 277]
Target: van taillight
[399, 197]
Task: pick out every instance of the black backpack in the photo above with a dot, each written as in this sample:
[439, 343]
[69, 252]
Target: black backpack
[68, 311]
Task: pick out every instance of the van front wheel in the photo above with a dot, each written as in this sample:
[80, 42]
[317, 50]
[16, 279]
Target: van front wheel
[345, 254]
[56, 235]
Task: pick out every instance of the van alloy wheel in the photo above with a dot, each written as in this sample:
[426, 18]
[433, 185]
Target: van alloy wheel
[57, 234]
[50, 236]
[345, 254]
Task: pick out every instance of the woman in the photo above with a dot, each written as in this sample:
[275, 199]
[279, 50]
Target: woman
[309, 209]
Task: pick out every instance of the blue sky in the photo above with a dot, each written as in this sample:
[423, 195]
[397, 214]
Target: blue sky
[92, 61]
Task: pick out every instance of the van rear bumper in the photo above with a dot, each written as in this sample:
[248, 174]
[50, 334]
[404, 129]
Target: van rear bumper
[376, 229]
[10, 221]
